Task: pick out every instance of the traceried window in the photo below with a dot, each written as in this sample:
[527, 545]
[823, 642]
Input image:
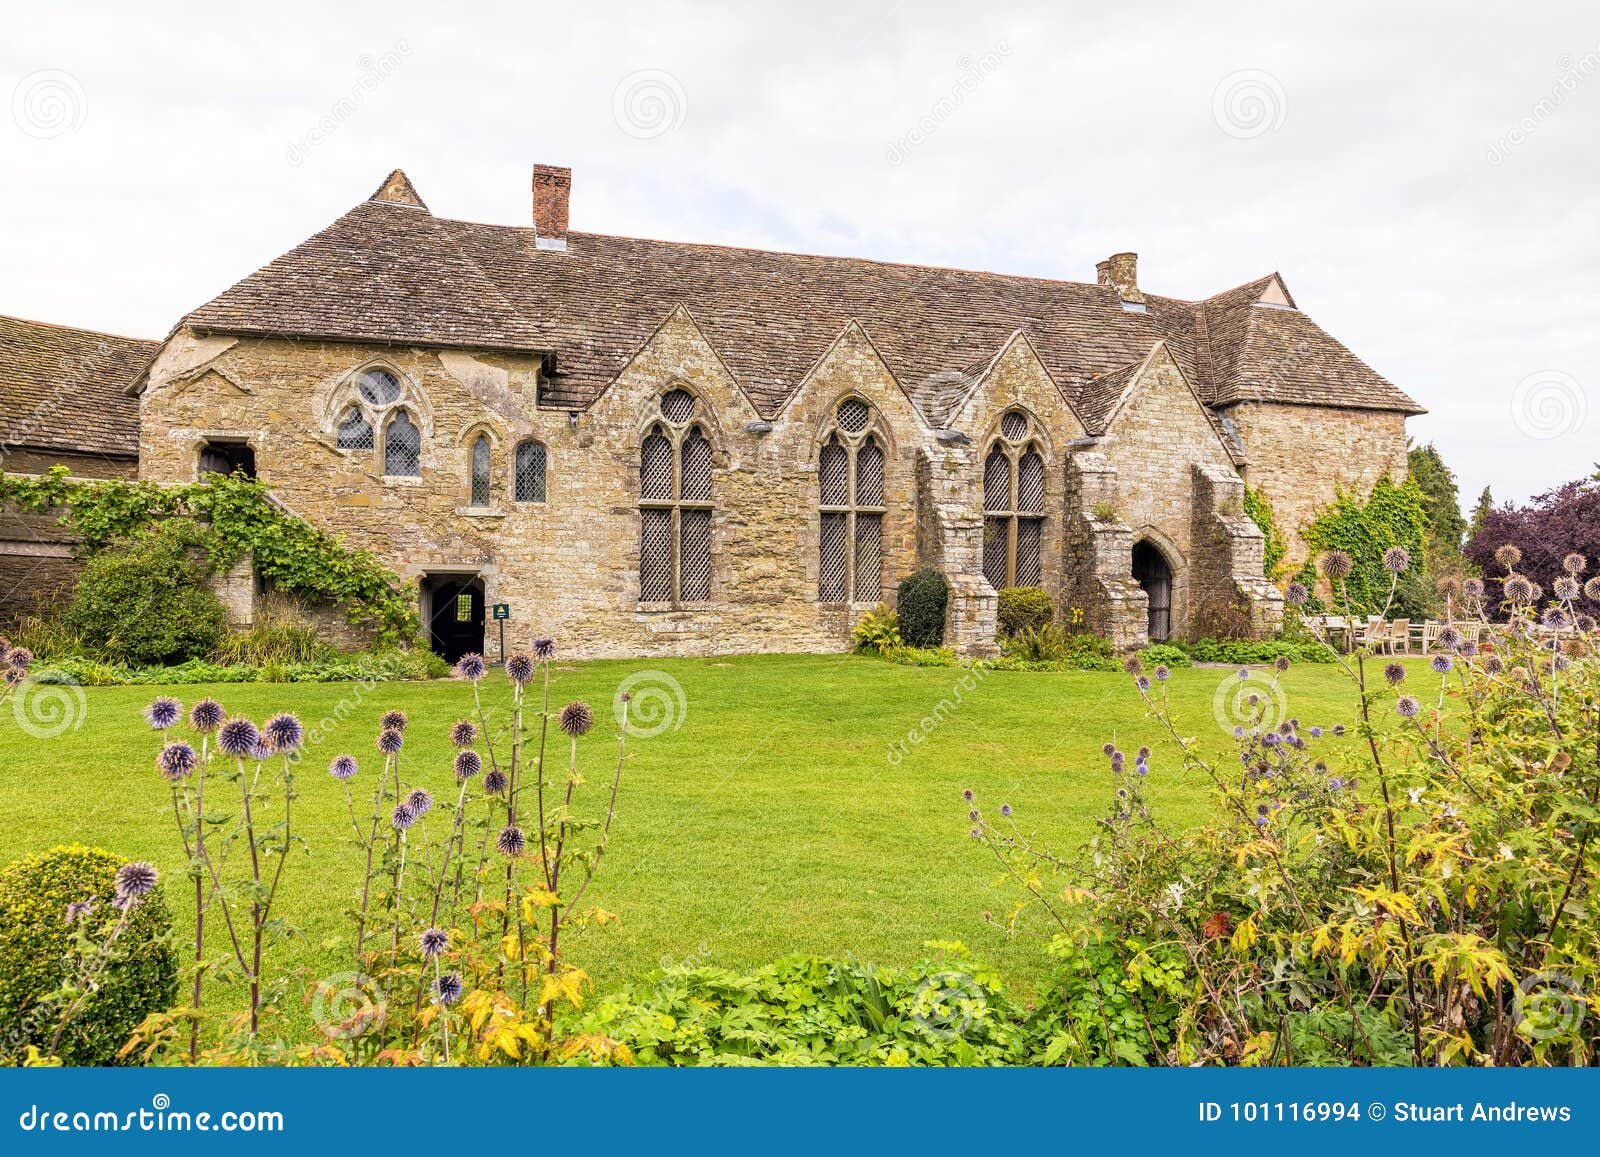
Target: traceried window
[1013, 506]
[378, 387]
[675, 462]
[481, 458]
[851, 506]
[355, 432]
[402, 447]
[530, 467]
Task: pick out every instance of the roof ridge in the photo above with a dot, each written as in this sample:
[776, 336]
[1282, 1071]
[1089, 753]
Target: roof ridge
[57, 325]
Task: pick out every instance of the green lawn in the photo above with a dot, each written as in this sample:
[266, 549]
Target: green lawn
[772, 821]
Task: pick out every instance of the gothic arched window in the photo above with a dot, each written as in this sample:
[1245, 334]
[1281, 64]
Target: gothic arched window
[355, 432]
[1013, 506]
[402, 447]
[850, 503]
[481, 457]
[675, 467]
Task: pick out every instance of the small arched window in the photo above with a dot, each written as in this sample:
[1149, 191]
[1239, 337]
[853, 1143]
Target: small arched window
[675, 475]
[402, 447]
[355, 432]
[1013, 507]
[851, 504]
[530, 464]
[480, 471]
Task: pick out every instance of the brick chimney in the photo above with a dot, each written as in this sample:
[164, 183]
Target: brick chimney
[552, 186]
[1121, 272]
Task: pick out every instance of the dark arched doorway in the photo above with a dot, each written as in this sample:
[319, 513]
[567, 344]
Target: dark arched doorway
[1152, 572]
[455, 615]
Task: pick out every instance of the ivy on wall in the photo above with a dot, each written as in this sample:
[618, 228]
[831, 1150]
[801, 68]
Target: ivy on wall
[1392, 515]
[240, 519]
[1259, 508]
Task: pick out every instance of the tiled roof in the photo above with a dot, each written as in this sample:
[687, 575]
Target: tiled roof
[63, 389]
[389, 271]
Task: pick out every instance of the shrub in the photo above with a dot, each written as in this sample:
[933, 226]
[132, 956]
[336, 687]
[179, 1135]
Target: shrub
[1546, 529]
[145, 600]
[274, 638]
[1390, 516]
[40, 953]
[1053, 647]
[1021, 608]
[878, 631]
[1246, 652]
[1165, 655]
[1274, 548]
[921, 601]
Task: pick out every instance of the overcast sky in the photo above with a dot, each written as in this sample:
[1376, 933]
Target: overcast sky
[1425, 178]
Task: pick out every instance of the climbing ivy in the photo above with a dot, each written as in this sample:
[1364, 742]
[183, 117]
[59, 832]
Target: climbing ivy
[1259, 508]
[1392, 515]
[240, 518]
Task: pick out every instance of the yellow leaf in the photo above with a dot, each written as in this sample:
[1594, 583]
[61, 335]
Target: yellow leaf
[1244, 935]
[510, 946]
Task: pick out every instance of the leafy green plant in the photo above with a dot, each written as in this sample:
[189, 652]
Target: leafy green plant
[1022, 608]
[1248, 652]
[1390, 516]
[77, 972]
[275, 638]
[1259, 508]
[1165, 655]
[145, 599]
[921, 600]
[878, 631]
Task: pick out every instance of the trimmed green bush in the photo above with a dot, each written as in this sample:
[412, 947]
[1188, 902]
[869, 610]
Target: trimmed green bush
[145, 600]
[1247, 651]
[1022, 608]
[921, 600]
[39, 952]
[1165, 655]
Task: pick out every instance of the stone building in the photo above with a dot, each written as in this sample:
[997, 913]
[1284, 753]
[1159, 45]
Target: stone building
[653, 448]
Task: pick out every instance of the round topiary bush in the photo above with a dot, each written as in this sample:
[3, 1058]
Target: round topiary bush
[1022, 609]
[39, 951]
[921, 600]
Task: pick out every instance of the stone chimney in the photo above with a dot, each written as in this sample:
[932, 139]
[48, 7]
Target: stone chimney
[1121, 272]
[552, 186]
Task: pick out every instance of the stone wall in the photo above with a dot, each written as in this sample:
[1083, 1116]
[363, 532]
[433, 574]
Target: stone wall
[1301, 457]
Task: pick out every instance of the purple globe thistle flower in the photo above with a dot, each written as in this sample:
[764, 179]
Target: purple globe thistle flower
[447, 989]
[80, 910]
[976, 833]
[1449, 638]
[511, 841]
[1591, 589]
[1336, 784]
[1338, 729]
[1132, 665]
[19, 658]
[1468, 648]
[1574, 563]
[262, 751]
[402, 817]
[967, 793]
[974, 815]
[15, 675]
[1566, 588]
[1472, 588]
[390, 741]
[1494, 664]
[1118, 762]
[1142, 753]
[434, 941]
[544, 649]
[1162, 674]
[1141, 766]
[1396, 560]
[1585, 623]
[1316, 733]
[163, 713]
[343, 767]
[471, 667]
[1296, 595]
[495, 781]
[1261, 821]
[177, 761]
[1519, 589]
[1508, 556]
[468, 764]
[576, 718]
[206, 716]
[463, 733]
[1441, 664]
[392, 721]
[1271, 739]
[135, 881]
[1244, 674]
[1394, 673]
[1108, 749]
[1142, 682]
[1280, 664]
[283, 732]
[1238, 731]
[519, 669]
[238, 738]
[1005, 809]
[1407, 707]
[1337, 565]
[420, 801]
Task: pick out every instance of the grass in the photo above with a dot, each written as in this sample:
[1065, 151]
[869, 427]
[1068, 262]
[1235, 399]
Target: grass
[773, 820]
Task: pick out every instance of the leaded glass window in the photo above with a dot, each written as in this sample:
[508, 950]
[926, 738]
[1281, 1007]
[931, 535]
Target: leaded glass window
[1013, 507]
[676, 468]
[851, 505]
[480, 471]
[530, 465]
[402, 447]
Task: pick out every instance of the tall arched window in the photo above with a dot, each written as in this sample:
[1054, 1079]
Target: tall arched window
[480, 470]
[1013, 506]
[675, 505]
[402, 447]
[850, 502]
[530, 465]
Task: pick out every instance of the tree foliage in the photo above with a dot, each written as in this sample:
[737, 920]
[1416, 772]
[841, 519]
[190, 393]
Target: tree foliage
[1440, 501]
[1392, 515]
[1546, 529]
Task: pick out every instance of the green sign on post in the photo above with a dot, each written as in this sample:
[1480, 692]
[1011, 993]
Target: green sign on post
[502, 611]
